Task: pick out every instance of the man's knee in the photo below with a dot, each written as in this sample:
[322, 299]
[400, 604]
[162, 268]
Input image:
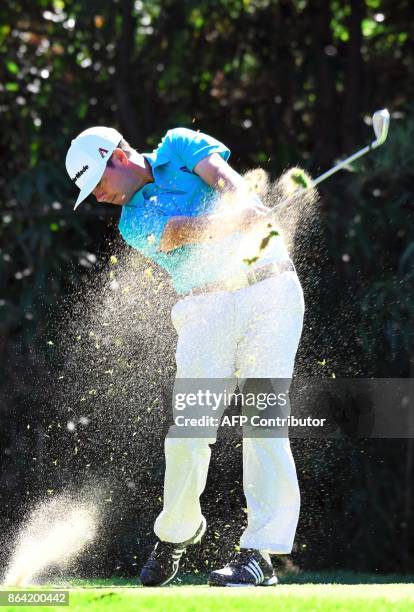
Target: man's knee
[187, 446]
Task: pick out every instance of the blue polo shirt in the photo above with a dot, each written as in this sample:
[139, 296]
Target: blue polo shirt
[178, 191]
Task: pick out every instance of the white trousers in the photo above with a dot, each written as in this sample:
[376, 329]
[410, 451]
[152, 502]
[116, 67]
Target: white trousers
[250, 333]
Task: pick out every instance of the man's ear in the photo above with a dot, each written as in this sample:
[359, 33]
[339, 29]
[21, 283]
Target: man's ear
[120, 156]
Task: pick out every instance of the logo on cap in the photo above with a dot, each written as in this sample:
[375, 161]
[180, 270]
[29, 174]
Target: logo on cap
[80, 172]
[103, 152]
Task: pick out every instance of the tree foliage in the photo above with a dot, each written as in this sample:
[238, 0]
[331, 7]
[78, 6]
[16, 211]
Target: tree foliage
[281, 82]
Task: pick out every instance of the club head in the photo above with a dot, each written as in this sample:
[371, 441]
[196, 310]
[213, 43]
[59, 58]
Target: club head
[381, 123]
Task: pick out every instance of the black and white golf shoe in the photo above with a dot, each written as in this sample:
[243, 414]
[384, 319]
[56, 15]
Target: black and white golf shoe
[246, 568]
[164, 561]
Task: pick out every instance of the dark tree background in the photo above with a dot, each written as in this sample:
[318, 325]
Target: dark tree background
[282, 82]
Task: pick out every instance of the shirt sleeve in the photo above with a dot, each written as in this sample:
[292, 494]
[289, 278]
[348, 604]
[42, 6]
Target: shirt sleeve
[193, 146]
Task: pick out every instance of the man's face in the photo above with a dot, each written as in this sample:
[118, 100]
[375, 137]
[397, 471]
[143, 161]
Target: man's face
[118, 183]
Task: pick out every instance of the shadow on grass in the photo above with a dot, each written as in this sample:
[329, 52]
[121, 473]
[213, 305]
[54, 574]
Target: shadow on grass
[343, 577]
[192, 579]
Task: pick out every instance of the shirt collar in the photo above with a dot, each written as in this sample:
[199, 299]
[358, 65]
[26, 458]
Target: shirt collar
[157, 158]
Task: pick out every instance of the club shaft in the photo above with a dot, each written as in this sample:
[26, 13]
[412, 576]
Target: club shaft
[330, 172]
[341, 164]
[381, 136]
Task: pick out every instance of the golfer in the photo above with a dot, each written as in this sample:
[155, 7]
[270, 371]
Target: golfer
[239, 319]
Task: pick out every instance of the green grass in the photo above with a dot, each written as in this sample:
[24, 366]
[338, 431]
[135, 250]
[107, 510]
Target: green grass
[298, 592]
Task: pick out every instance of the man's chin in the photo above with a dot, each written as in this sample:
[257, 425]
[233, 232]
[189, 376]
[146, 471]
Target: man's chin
[118, 200]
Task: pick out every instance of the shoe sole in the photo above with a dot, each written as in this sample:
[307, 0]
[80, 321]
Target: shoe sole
[269, 582]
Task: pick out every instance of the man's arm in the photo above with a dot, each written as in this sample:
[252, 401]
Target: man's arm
[217, 173]
[240, 215]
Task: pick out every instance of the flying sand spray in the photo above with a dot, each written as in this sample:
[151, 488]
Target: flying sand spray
[54, 534]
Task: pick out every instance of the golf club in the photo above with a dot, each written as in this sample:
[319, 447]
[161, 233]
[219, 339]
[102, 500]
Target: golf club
[380, 123]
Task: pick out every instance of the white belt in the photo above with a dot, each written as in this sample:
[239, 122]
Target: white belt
[245, 279]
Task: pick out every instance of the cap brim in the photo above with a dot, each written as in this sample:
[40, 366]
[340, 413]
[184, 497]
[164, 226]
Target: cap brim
[89, 187]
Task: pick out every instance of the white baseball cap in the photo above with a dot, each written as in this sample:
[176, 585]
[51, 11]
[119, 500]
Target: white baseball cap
[87, 157]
